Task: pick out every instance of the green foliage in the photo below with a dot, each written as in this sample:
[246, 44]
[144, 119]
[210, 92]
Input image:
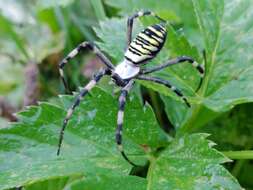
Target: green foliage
[190, 163]
[89, 158]
[28, 148]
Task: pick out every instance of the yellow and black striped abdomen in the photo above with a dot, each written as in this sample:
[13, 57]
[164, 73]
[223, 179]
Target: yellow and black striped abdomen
[147, 44]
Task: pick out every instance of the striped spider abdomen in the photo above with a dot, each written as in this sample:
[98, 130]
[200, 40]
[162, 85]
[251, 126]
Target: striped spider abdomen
[147, 44]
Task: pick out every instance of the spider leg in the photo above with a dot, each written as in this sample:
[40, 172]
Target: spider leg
[119, 129]
[77, 101]
[131, 20]
[177, 60]
[167, 84]
[74, 52]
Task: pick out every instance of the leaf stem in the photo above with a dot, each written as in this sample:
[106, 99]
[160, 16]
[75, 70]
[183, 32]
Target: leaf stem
[150, 171]
[239, 155]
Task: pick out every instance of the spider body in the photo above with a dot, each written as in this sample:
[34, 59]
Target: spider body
[142, 49]
[139, 51]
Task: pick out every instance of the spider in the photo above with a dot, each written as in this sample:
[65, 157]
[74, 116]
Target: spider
[142, 49]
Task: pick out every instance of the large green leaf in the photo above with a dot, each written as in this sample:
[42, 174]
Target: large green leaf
[190, 162]
[229, 61]
[28, 148]
[226, 31]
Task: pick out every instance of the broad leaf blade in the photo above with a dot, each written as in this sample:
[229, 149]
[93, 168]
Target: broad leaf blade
[28, 148]
[227, 31]
[190, 163]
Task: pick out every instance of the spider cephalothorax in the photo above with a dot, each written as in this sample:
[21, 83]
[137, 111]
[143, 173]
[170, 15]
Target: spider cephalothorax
[143, 48]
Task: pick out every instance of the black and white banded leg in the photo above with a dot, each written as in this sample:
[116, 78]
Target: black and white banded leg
[119, 129]
[177, 60]
[131, 20]
[77, 101]
[167, 84]
[74, 52]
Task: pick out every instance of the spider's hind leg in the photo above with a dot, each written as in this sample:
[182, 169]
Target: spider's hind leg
[118, 135]
[77, 101]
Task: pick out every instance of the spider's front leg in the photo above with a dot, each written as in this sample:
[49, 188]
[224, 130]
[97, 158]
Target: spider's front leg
[118, 136]
[74, 52]
[167, 84]
[77, 101]
[131, 20]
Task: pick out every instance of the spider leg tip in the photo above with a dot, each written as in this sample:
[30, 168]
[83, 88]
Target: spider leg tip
[58, 152]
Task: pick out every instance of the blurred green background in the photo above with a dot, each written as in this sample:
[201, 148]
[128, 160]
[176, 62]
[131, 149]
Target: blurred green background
[36, 35]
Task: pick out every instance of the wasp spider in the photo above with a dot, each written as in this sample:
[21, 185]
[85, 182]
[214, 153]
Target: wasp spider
[143, 48]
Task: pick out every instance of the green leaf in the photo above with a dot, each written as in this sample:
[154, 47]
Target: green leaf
[190, 162]
[229, 61]
[101, 182]
[229, 66]
[28, 148]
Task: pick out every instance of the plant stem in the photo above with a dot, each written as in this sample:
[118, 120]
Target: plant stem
[150, 171]
[239, 155]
